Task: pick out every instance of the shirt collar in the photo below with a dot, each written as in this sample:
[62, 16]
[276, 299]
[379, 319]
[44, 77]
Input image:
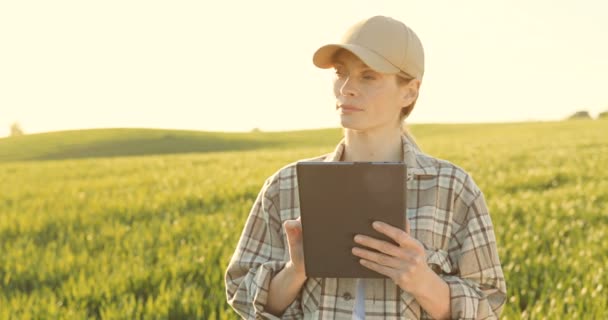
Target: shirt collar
[415, 160]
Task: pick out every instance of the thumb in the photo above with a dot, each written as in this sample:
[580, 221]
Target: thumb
[291, 226]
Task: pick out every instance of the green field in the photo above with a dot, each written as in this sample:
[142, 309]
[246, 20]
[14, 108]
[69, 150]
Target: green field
[140, 224]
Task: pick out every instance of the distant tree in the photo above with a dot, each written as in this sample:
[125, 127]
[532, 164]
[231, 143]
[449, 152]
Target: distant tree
[603, 115]
[256, 130]
[580, 115]
[16, 130]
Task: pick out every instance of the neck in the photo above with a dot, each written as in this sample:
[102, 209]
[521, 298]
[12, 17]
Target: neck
[379, 145]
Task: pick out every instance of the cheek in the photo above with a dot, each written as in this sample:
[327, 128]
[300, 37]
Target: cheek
[384, 102]
[376, 98]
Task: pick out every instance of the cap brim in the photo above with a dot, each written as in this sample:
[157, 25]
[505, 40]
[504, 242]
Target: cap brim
[323, 57]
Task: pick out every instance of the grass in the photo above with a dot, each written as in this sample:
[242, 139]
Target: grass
[140, 224]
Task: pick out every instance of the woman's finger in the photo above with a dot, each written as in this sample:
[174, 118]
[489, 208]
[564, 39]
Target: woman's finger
[380, 245]
[379, 258]
[398, 235]
[294, 240]
[389, 272]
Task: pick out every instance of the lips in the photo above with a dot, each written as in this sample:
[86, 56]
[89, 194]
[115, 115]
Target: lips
[348, 107]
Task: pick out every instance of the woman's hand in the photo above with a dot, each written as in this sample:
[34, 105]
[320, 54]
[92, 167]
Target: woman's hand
[293, 229]
[405, 264]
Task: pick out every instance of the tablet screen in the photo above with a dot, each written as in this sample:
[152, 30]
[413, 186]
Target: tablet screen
[341, 199]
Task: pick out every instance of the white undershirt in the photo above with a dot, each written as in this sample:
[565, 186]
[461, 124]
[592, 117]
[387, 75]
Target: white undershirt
[359, 309]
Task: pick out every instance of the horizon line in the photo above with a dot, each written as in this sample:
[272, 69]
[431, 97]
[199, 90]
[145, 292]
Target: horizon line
[261, 130]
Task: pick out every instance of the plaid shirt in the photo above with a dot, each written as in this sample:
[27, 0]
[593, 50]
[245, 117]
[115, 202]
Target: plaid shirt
[447, 214]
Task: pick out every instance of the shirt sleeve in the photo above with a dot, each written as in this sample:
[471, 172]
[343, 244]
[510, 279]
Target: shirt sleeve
[258, 257]
[478, 290]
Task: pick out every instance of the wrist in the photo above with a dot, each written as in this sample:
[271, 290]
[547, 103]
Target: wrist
[428, 283]
[433, 295]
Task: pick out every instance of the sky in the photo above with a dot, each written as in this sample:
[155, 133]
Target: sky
[239, 65]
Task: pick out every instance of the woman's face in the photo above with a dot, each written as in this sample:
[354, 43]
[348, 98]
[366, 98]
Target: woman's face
[367, 99]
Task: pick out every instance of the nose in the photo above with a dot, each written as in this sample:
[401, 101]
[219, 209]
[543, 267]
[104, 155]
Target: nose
[348, 88]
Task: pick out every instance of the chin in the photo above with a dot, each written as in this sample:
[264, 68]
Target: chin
[363, 125]
[352, 125]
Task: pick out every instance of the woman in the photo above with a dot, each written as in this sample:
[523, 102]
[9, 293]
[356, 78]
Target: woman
[446, 264]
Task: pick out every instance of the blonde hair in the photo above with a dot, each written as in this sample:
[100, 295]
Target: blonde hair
[403, 79]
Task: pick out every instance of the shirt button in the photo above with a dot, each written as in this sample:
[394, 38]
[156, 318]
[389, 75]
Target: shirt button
[347, 296]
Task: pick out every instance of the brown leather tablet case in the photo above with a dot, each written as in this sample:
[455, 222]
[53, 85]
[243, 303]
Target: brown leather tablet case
[341, 199]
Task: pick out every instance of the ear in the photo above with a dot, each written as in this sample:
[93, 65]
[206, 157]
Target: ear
[409, 92]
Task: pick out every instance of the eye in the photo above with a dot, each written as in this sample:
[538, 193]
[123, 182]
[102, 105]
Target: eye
[369, 76]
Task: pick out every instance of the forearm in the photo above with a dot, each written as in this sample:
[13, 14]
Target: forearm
[283, 290]
[434, 297]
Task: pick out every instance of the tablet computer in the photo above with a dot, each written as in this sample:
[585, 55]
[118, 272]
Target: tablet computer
[341, 199]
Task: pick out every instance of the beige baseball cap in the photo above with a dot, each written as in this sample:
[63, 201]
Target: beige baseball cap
[383, 43]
